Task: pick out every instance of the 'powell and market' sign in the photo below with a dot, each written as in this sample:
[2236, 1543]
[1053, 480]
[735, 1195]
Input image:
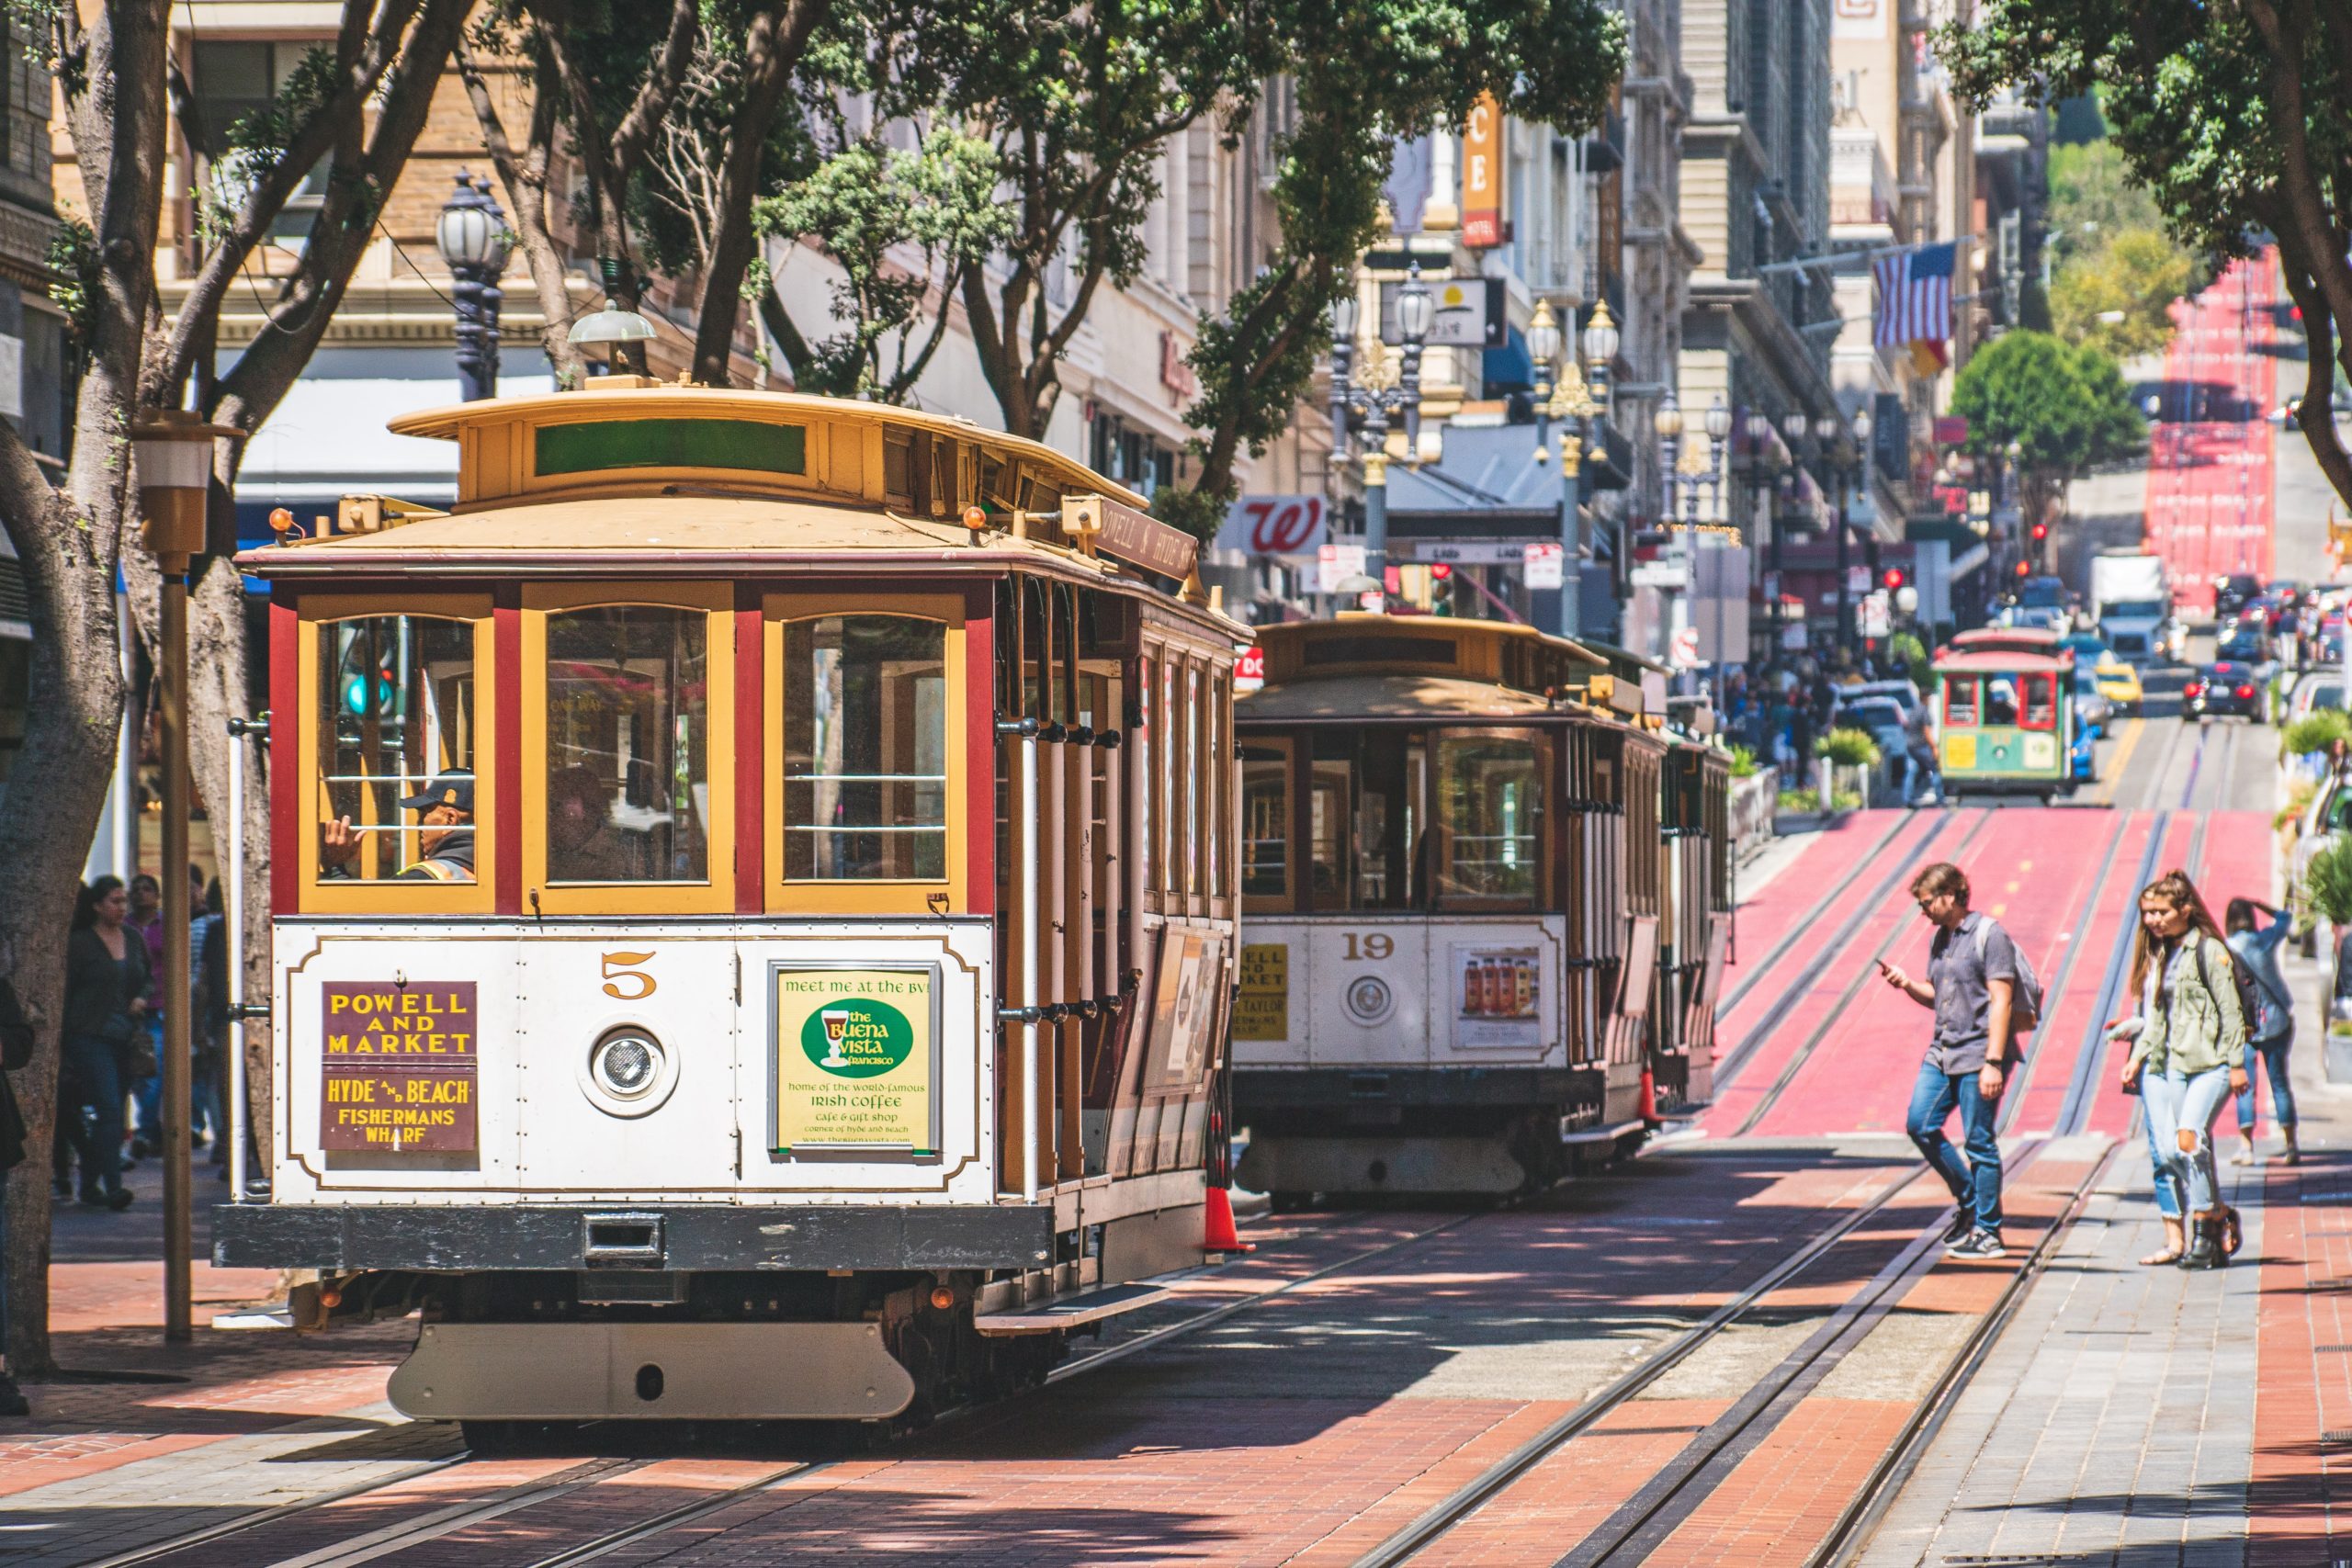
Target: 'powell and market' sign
[400, 1066]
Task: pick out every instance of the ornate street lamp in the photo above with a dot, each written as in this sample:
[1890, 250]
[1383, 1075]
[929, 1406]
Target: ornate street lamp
[1365, 402]
[620, 334]
[1666, 423]
[475, 244]
[172, 452]
[1570, 403]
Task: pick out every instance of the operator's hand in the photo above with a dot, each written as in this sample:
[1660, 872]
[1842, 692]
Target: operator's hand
[1988, 1081]
[337, 841]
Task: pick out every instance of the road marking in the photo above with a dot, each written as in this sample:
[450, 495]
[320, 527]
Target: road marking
[2124, 744]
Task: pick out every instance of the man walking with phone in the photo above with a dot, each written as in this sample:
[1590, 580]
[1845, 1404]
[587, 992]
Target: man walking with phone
[1974, 988]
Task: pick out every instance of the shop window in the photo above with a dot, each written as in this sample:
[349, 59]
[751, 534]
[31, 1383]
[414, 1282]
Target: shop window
[864, 748]
[628, 745]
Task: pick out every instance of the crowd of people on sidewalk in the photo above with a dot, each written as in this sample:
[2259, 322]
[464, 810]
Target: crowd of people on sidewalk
[109, 1092]
[1779, 711]
[2210, 1006]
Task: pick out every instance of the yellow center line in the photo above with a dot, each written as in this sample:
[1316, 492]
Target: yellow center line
[2124, 744]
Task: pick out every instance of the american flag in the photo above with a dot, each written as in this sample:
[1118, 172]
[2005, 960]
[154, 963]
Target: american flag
[1915, 297]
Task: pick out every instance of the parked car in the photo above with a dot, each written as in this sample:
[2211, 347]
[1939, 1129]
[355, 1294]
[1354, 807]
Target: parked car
[2093, 711]
[2248, 642]
[1902, 693]
[2223, 687]
[2234, 593]
[2319, 689]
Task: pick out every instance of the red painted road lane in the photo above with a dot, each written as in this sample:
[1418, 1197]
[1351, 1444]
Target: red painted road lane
[2053, 1049]
[2111, 1110]
[1823, 981]
[2032, 870]
[1793, 901]
[2301, 1496]
[2210, 491]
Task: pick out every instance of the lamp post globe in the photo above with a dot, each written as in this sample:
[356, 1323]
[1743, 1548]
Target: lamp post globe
[1794, 426]
[1343, 317]
[474, 242]
[1668, 420]
[1718, 420]
[1542, 340]
[1760, 429]
[1416, 310]
[1600, 339]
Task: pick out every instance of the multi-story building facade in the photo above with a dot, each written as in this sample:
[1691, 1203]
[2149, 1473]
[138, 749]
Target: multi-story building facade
[36, 385]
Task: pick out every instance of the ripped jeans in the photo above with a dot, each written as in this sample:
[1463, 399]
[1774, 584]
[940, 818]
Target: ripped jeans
[2178, 1104]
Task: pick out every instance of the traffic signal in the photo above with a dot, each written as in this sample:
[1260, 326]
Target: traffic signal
[1893, 578]
[2041, 532]
[2024, 570]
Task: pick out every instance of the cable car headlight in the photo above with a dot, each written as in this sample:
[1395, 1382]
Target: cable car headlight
[628, 1072]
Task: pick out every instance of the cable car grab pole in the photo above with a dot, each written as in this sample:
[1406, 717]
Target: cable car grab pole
[1032, 900]
[233, 917]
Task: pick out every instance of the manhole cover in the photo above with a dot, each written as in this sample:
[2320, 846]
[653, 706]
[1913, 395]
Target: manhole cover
[2337, 1435]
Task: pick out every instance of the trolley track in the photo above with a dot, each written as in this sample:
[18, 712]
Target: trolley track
[1820, 909]
[1753, 1035]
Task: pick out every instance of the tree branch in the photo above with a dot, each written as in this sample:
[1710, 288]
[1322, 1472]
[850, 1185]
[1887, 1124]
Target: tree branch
[525, 183]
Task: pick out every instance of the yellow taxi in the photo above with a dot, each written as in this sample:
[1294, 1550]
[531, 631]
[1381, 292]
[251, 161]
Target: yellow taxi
[2117, 683]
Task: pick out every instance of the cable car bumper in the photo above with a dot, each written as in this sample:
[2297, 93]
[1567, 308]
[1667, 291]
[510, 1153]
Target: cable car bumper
[460, 1237]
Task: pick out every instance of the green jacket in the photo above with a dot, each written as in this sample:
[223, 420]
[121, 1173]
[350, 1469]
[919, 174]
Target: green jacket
[2204, 1028]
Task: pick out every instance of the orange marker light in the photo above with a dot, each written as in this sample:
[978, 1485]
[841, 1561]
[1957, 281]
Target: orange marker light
[942, 1298]
[281, 521]
[975, 519]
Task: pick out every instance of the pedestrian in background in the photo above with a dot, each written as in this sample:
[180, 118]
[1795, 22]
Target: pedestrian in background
[142, 1070]
[210, 1088]
[106, 998]
[2187, 1055]
[2255, 931]
[1972, 987]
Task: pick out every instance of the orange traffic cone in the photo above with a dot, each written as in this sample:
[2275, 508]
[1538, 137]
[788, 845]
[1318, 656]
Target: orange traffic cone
[1650, 1098]
[1222, 1236]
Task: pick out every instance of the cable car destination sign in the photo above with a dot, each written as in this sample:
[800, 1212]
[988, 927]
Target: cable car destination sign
[401, 1066]
[856, 1058]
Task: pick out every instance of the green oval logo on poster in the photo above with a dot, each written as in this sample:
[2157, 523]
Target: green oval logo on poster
[856, 1038]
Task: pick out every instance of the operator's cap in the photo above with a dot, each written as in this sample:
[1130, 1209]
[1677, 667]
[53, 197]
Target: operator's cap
[447, 789]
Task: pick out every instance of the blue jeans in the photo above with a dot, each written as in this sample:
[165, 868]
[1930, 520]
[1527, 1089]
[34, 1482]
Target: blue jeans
[98, 1088]
[2167, 1200]
[1975, 1182]
[2181, 1111]
[2283, 1093]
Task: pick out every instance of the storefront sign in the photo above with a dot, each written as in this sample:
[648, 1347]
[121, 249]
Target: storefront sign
[1275, 526]
[1250, 670]
[1482, 176]
[1262, 1010]
[1496, 997]
[1334, 564]
[400, 1062]
[856, 1055]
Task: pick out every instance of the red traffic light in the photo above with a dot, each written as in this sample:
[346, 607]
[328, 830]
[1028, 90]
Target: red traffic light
[1892, 577]
[2041, 532]
[2024, 570]
[1440, 572]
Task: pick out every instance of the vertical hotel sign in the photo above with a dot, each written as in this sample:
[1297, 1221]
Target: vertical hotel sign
[402, 1063]
[856, 1055]
[1482, 175]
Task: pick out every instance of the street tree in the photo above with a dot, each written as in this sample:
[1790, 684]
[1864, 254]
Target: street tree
[353, 106]
[1363, 76]
[2118, 296]
[2238, 120]
[2062, 406]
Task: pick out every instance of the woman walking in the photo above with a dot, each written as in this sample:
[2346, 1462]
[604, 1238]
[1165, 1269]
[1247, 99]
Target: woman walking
[2255, 933]
[107, 977]
[2188, 1056]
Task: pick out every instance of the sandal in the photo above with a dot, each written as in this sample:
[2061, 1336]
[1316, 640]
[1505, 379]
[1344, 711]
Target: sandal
[2158, 1259]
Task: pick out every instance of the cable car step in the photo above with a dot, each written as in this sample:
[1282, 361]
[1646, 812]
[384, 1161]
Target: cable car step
[1608, 1134]
[1070, 1310]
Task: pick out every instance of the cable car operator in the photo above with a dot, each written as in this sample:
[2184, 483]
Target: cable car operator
[444, 833]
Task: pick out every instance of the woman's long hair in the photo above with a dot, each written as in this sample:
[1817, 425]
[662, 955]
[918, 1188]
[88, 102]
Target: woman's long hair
[2240, 916]
[2175, 888]
[87, 900]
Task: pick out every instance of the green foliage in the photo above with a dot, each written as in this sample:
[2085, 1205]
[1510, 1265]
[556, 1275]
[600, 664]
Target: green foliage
[2318, 732]
[2135, 275]
[1849, 748]
[2329, 878]
[1911, 653]
[869, 204]
[2065, 407]
[2094, 195]
[73, 275]
[1744, 764]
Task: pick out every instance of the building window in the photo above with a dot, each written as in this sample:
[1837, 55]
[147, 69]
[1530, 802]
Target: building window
[235, 78]
[1134, 458]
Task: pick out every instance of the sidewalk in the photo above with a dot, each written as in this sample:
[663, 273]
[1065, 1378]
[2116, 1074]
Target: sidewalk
[2133, 1416]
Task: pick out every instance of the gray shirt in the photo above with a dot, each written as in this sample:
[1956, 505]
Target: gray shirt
[1961, 981]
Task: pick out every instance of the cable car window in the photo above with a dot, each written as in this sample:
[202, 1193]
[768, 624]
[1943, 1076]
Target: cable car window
[1265, 826]
[627, 749]
[2001, 701]
[1147, 819]
[592, 445]
[1197, 752]
[1960, 700]
[397, 734]
[866, 748]
[1327, 796]
[1381, 776]
[1490, 812]
[1171, 782]
[2040, 702]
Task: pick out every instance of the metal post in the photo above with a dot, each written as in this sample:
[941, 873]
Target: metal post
[1375, 517]
[465, 294]
[1032, 918]
[1845, 560]
[178, 1284]
[1572, 535]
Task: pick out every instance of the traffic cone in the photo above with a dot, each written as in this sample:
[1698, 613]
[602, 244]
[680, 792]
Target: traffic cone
[1222, 1236]
[1650, 1098]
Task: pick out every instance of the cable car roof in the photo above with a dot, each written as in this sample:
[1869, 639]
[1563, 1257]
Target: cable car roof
[1974, 661]
[1354, 698]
